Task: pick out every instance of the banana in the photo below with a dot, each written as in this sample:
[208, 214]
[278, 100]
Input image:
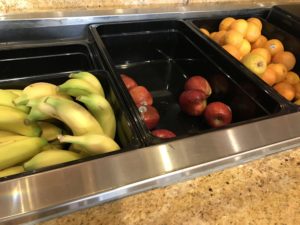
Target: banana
[49, 158]
[91, 143]
[52, 145]
[77, 87]
[102, 111]
[13, 120]
[90, 78]
[17, 92]
[75, 116]
[37, 90]
[35, 113]
[4, 133]
[11, 171]
[10, 139]
[49, 130]
[7, 98]
[20, 151]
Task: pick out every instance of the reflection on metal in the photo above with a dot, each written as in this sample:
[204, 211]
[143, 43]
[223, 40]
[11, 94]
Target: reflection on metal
[44, 195]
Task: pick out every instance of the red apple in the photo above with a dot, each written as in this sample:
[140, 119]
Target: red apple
[128, 81]
[141, 96]
[198, 83]
[192, 102]
[218, 114]
[150, 116]
[163, 133]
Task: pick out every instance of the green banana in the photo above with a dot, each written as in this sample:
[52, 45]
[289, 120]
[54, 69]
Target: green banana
[11, 171]
[49, 130]
[102, 111]
[49, 158]
[37, 90]
[77, 87]
[4, 133]
[13, 120]
[7, 98]
[91, 143]
[90, 78]
[20, 151]
[75, 116]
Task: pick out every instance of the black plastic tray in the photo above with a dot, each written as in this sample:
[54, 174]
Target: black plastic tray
[291, 43]
[161, 55]
[127, 134]
[286, 17]
[37, 59]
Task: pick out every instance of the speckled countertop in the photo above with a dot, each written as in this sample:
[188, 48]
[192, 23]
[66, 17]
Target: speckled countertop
[265, 191]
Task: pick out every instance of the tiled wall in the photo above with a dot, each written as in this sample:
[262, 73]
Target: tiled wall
[19, 6]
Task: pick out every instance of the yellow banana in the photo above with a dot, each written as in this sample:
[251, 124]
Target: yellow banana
[35, 113]
[49, 158]
[76, 87]
[17, 92]
[91, 143]
[75, 116]
[37, 90]
[10, 139]
[49, 130]
[13, 120]
[102, 111]
[20, 151]
[4, 133]
[7, 98]
[91, 79]
[11, 171]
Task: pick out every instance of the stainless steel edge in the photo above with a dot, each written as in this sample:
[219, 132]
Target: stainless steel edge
[56, 192]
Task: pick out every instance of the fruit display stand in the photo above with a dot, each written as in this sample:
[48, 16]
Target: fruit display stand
[161, 51]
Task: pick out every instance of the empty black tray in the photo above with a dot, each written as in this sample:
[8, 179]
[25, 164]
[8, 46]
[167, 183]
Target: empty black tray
[127, 134]
[162, 55]
[37, 59]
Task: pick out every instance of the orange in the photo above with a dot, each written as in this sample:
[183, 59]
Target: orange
[239, 25]
[219, 37]
[274, 46]
[205, 31]
[260, 42]
[245, 48]
[225, 23]
[253, 32]
[234, 38]
[255, 21]
[232, 50]
[264, 53]
[286, 58]
[286, 90]
[297, 90]
[280, 71]
[292, 78]
[269, 76]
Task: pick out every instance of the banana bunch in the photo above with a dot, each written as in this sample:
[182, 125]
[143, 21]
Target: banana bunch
[45, 124]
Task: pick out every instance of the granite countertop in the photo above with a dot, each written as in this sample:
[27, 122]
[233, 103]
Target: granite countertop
[265, 191]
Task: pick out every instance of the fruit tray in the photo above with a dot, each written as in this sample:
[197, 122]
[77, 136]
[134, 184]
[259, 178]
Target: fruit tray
[161, 56]
[127, 135]
[36, 59]
[286, 17]
[270, 31]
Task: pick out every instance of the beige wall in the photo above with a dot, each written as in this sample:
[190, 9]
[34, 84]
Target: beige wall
[18, 6]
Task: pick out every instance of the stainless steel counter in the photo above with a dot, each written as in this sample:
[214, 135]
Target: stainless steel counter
[44, 195]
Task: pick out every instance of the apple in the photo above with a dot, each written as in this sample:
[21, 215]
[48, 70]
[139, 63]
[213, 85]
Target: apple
[128, 81]
[255, 62]
[141, 96]
[198, 83]
[218, 114]
[192, 102]
[163, 133]
[149, 115]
